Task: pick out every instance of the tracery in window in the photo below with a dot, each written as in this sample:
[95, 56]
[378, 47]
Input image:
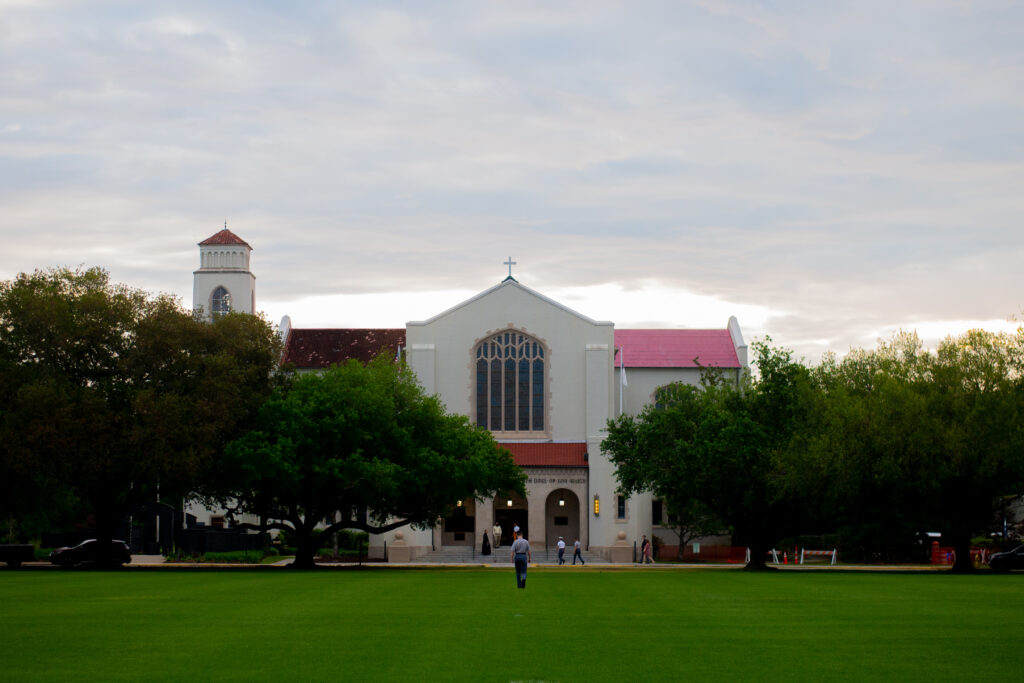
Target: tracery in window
[510, 383]
[220, 303]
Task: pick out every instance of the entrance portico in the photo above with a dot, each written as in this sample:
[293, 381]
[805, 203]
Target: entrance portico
[555, 505]
[560, 494]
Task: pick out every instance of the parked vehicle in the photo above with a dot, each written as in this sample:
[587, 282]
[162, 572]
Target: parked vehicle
[89, 551]
[15, 554]
[1005, 561]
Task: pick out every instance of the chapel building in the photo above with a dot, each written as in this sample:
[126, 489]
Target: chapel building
[544, 380]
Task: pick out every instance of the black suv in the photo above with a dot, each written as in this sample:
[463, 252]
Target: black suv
[88, 551]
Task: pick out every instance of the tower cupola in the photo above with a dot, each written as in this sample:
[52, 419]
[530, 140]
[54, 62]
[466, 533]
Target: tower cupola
[224, 282]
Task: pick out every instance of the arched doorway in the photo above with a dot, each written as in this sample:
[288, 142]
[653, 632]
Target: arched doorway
[510, 510]
[561, 517]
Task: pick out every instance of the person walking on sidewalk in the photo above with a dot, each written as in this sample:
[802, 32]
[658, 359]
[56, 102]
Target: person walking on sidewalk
[561, 551]
[576, 552]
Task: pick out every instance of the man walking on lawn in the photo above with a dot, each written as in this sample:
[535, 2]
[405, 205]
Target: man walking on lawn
[521, 556]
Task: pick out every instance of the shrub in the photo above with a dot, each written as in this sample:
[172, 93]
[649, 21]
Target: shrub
[234, 557]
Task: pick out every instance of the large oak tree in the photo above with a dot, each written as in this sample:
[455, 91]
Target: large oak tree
[360, 447]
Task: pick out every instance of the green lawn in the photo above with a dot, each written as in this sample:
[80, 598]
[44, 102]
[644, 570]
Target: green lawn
[474, 625]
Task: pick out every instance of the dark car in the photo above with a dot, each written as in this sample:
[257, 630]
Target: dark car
[89, 551]
[1005, 561]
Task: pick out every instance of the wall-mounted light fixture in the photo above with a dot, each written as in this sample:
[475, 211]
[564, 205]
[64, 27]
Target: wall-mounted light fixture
[597, 505]
[561, 502]
[508, 503]
[458, 503]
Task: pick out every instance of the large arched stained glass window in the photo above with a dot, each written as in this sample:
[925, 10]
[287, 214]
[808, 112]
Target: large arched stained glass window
[510, 383]
[220, 302]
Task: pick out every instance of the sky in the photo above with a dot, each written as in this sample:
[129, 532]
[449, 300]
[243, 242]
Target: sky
[828, 173]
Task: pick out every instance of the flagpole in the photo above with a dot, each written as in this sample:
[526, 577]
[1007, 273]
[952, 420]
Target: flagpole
[622, 369]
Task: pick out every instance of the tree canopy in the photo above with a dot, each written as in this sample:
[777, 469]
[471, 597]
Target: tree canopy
[915, 440]
[717, 452]
[107, 393]
[881, 446]
[360, 447]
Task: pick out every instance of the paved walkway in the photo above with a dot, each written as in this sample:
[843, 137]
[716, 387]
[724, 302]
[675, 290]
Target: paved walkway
[150, 560]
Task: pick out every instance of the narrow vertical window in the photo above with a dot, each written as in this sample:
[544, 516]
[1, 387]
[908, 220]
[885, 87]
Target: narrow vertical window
[496, 395]
[524, 395]
[510, 394]
[538, 395]
[481, 392]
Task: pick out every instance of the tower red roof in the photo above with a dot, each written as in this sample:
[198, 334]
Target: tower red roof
[224, 237]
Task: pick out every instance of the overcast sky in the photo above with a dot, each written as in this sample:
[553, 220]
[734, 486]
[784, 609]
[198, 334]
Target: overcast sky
[827, 172]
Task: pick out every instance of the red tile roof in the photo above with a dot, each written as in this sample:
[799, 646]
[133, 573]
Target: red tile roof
[548, 454]
[676, 348]
[314, 349]
[223, 237]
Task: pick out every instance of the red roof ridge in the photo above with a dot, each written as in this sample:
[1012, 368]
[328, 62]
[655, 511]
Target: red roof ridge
[343, 329]
[669, 329]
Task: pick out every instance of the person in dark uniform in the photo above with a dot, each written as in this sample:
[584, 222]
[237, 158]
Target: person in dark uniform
[521, 556]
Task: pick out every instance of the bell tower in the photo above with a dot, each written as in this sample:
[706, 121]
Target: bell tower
[223, 282]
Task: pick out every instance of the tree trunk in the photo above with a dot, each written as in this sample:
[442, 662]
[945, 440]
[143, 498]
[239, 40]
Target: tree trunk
[962, 564]
[305, 550]
[106, 520]
[758, 559]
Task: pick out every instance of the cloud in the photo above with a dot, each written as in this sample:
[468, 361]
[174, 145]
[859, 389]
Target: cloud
[828, 172]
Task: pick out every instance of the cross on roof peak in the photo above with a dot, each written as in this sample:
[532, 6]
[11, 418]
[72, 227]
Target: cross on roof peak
[510, 263]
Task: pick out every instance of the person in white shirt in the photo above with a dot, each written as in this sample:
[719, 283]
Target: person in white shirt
[561, 551]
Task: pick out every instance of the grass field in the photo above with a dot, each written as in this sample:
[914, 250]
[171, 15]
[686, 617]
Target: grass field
[474, 625]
